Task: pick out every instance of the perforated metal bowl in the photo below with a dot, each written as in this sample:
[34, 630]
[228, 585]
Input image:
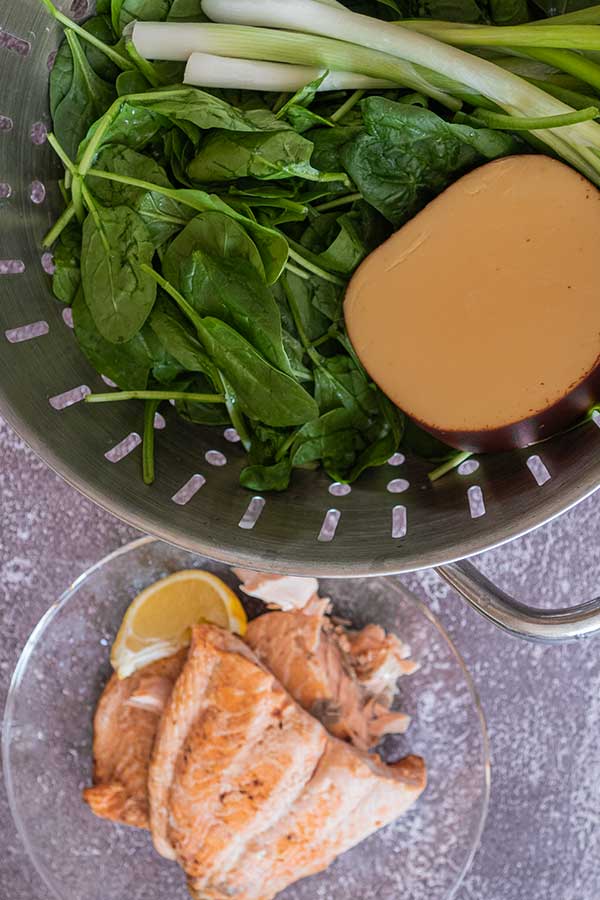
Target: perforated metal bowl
[393, 519]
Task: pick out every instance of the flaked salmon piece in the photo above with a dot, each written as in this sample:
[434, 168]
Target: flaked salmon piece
[286, 592]
[350, 796]
[319, 666]
[248, 791]
[379, 659]
[232, 751]
[125, 725]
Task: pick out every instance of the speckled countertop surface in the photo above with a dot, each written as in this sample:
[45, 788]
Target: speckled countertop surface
[542, 839]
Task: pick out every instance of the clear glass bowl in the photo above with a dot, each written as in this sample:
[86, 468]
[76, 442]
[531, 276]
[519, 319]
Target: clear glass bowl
[48, 735]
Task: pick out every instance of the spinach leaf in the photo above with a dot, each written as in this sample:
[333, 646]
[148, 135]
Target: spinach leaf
[275, 477]
[262, 391]
[328, 144]
[86, 98]
[61, 76]
[213, 232]
[409, 154]
[469, 11]
[346, 448]
[302, 119]
[334, 438]
[131, 82]
[128, 364]
[126, 11]
[124, 161]
[202, 413]
[509, 12]
[423, 444]
[218, 269]
[186, 11]
[225, 156]
[303, 293]
[67, 261]
[174, 333]
[271, 244]
[133, 126]
[187, 105]
[162, 215]
[115, 243]
[340, 242]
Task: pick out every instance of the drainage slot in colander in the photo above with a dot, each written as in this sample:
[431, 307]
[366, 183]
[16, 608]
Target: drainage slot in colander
[67, 315]
[399, 522]
[538, 469]
[12, 266]
[189, 490]
[26, 332]
[231, 435]
[398, 485]
[468, 467]
[337, 489]
[6, 123]
[47, 261]
[215, 458]
[159, 422]
[124, 448]
[38, 133]
[476, 501]
[37, 192]
[329, 526]
[252, 514]
[396, 460]
[69, 398]
[5, 190]
[14, 43]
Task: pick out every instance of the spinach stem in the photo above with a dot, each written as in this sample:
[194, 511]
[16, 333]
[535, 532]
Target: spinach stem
[300, 273]
[345, 108]
[287, 444]
[304, 339]
[340, 201]
[148, 467]
[315, 269]
[110, 115]
[235, 414]
[60, 152]
[522, 123]
[154, 395]
[59, 226]
[146, 68]
[450, 464]
[69, 24]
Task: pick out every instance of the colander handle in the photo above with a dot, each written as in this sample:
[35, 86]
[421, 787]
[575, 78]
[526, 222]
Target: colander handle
[542, 625]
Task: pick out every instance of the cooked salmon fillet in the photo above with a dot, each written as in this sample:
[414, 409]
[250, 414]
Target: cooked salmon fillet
[248, 791]
[346, 680]
[125, 725]
[350, 796]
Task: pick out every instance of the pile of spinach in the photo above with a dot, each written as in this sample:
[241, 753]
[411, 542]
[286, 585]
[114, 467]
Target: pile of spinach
[208, 237]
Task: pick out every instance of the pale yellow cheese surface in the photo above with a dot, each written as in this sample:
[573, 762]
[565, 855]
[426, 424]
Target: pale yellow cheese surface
[485, 308]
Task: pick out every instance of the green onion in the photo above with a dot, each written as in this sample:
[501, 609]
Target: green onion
[578, 143]
[514, 123]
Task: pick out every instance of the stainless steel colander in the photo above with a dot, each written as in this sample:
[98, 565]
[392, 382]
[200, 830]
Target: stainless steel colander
[393, 520]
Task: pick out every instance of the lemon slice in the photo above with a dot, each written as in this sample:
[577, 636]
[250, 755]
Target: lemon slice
[158, 622]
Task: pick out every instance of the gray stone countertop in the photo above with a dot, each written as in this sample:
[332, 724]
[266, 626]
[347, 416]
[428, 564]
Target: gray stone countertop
[542, 838]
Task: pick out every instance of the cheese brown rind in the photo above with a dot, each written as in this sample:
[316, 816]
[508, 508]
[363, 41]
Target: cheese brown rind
[480, 318]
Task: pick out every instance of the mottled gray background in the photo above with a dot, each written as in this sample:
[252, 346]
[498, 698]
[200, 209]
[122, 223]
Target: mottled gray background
[542, 839]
